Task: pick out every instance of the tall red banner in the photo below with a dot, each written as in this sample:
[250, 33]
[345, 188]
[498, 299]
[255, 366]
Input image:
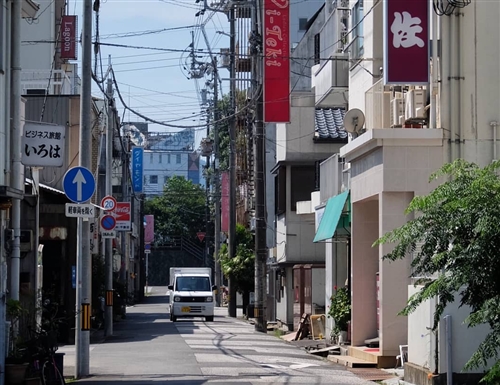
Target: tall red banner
[406, 41]
[149, 229]
[224, 220]
[276, 61]
[68, 37]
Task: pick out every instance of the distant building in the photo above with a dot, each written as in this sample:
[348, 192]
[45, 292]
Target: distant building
[166, 154]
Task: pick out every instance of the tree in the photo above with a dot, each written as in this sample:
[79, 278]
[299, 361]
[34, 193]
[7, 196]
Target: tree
[242, 266]
[457, 227]
[180, 211]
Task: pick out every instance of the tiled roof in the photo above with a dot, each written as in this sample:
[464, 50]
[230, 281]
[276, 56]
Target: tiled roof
[329, 123]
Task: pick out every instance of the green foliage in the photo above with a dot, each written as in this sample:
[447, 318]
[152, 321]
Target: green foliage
[458, 228]
[242, 266]
[340, 309]
[180, 211]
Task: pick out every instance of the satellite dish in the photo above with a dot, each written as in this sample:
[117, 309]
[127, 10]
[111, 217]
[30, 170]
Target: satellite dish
[354, 120]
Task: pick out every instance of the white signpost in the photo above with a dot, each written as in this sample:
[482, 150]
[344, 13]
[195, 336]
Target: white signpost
[108, 234]
[79, 210]
[43, 145]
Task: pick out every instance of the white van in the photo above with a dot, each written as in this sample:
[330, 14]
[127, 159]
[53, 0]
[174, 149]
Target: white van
[191, 293]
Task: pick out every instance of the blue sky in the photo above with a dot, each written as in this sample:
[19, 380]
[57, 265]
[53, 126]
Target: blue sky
[150, 81]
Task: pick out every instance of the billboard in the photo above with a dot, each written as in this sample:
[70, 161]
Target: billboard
[276, 61]
[68, 37]
[406, 41]
[43, 145]
[122, 214]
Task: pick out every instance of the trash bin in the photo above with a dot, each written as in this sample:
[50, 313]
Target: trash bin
[59, 361]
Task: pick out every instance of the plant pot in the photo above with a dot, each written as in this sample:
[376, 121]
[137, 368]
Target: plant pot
[15, 373]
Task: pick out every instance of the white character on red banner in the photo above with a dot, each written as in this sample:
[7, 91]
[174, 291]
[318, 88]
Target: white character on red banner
[405, 29]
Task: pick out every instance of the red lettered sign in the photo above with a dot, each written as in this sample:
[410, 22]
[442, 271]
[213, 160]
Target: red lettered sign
[276, 61]
[122, 216]
[68, 37]
[406, 45]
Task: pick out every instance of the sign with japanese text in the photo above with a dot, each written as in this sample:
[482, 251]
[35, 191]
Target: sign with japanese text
[75, 210]
[137, 169]
[43, 145]
[224, 219]
[122, 215]
[149, 228]
[68, 37]
[277, 61]
[94, 236]
[406, 42]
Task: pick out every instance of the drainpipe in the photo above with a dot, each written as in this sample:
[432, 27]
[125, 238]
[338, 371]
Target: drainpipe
[444, 85]
[3, 293]
[448, 349]
[452, 76]
[494, 125]
[17, 175]
[458, 74]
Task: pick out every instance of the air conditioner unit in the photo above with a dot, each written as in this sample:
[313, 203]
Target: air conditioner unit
[397, 110]
[415, 104]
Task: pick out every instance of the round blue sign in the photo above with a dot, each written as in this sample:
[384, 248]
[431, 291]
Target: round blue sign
[79, 184]
[108, 222]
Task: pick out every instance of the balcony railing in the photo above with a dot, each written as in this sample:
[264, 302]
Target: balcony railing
[56, 82]
[331, 81]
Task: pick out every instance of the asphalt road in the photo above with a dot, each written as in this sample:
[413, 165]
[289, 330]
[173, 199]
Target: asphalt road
[147, 348]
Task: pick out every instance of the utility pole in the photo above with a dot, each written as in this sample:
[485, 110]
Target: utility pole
[260, 176]
[232, 158]
[207, 191]
[84, 300]
[108, 245]
[125, 198]
[218, 275]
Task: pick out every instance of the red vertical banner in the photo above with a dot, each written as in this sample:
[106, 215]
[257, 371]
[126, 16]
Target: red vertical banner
[149, 228]
[224, 220]
[406, 41]
[277, 61]
[68, 37]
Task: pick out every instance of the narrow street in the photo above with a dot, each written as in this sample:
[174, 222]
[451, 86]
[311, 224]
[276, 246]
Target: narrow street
[146, 347]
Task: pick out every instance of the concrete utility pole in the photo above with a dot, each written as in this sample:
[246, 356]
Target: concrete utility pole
[17, 175]
[108, 242]
[125, 198]
[83, 336]
[232, 157]
[218, 274]
[260, 177]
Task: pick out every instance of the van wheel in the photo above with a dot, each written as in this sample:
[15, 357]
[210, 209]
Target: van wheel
[209, 319]
[173, 318]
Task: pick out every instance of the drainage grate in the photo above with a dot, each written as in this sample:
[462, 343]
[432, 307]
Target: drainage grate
[371, 374]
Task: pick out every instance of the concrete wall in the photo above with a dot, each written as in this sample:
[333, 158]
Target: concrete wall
[284, 307]
[318, 287]
[298, 10]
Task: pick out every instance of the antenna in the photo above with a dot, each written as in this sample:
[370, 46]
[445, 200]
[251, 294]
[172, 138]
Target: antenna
[354, 120]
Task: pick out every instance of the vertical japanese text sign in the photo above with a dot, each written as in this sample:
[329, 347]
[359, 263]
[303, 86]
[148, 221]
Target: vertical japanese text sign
[43, 145]
[68, 37]
[137, 168]
[224, 220]
[276, 61]
[406, 41]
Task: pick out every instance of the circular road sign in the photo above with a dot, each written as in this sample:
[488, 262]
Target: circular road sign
[79, 184]
[108, 222]
[108, 203]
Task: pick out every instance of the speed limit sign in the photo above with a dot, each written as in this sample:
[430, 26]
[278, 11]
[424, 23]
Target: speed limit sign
[108, 203]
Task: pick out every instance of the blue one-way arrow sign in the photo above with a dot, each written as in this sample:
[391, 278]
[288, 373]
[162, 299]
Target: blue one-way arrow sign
[79, 184]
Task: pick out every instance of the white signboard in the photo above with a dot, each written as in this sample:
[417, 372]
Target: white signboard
[43, 145]
[108, 234]
[77, 210]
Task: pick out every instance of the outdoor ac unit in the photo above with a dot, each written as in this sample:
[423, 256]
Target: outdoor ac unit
[415, 104]
[396, 111]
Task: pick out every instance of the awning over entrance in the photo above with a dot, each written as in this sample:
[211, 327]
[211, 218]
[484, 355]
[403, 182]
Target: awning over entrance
[331, 217]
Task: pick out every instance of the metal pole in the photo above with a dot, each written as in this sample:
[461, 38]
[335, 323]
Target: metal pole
[78, 319]
[207, 192]
[17, 176]
[108, 243]
[82, 353]
[218, 275]
[38, 262]
[260, 192]
[123, 267]
[3, 294]
[232, 159]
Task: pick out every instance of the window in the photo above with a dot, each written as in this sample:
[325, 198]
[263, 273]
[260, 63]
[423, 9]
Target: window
[303, 183]
[358, 48]
[168, 158]
[302, 23]
[151, 158]
[159, 158]
[178, 160]
[153, 179]
[317, 49]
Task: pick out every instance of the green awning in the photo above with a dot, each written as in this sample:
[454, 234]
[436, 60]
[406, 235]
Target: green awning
[331, 217]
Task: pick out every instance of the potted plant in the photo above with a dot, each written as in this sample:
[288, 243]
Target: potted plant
[16, 362]
[340, 311]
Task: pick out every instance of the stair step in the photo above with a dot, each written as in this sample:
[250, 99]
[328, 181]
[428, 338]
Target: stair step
[352, 362]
